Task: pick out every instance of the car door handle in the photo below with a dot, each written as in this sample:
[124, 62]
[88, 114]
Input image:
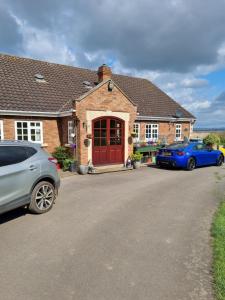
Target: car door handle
[32, 167]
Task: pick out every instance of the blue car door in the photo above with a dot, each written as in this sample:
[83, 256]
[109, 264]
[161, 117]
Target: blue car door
[200, 153]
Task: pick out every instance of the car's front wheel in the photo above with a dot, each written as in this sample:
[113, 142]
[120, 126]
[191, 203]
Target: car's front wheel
[191, 164]
[42, 197]
[220, 161]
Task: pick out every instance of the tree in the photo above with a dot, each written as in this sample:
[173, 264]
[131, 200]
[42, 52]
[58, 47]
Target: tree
[212, 139]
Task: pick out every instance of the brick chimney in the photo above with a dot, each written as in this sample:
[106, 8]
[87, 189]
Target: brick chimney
[104, 73]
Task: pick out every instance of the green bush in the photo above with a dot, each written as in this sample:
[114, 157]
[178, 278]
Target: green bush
[222, 138]
[212, 139]
[136, 156]
[61, 154]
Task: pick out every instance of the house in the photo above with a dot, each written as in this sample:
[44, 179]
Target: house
[98, 111]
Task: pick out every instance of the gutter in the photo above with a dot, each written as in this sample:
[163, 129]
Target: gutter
[37, 113]
[170, 119]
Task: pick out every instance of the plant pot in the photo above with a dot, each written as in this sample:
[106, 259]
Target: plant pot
[73, 167]
[83, 170]
[136, 164]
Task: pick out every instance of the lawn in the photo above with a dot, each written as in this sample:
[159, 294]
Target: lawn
[218, 233]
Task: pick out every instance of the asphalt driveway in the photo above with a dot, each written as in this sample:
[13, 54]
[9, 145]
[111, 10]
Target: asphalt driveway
[136, 235]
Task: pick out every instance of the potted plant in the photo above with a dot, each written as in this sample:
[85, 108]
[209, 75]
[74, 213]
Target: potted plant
[70, 164]
[61, 154]
[136, 160]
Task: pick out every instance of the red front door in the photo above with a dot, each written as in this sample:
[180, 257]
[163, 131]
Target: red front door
[108, 141]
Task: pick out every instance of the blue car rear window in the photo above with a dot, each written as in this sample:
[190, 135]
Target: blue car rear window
[176, 146]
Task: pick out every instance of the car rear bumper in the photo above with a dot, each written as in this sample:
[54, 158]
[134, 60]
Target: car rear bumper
[175, 162]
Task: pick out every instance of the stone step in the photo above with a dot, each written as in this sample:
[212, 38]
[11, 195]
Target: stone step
[109, 169]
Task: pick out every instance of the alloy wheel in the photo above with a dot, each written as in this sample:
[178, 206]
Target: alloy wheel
[44, 197]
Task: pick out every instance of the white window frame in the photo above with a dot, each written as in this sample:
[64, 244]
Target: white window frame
[136, 129]
[2, 130]
[178, 132]
[29, 127]
[70, 130]
[151, 132]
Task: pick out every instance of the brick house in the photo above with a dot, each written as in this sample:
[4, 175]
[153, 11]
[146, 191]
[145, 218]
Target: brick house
[98, 111]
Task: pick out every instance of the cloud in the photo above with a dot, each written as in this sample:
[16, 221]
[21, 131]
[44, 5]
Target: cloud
[174, 43]
[194, 83]
[144, 35]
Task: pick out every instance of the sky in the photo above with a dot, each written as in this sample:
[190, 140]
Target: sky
[177, 44]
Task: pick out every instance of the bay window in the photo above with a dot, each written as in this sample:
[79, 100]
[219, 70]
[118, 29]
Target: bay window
[29, 131]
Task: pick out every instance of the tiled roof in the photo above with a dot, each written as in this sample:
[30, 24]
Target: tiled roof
[20, 91]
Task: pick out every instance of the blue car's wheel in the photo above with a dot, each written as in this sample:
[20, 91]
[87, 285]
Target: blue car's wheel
[191, 164]
[220, 160]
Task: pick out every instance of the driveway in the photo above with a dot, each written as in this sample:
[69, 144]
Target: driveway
[135, 235]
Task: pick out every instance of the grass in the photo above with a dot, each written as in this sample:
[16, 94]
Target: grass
[218, 233]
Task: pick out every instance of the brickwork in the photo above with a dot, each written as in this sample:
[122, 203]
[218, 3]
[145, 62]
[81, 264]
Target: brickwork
[101, 100]
[166, 129]
[51, 130]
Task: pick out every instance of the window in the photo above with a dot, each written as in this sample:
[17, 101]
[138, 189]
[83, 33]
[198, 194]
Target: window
[136, 130]
[70, 132]
[10, 155]
[151, 132]
[29, 131]
[1, 130]
[178, 134]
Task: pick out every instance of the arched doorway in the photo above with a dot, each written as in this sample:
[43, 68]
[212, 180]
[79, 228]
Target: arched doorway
[107, 141]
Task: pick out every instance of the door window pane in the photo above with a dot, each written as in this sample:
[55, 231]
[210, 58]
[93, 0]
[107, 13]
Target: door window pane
[112, 123]
[103, 123]
[96, 133]
[103, 142]
[97, 142]
[97, 124]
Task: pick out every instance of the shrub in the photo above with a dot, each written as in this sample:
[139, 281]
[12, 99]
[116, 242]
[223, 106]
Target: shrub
[212, 139]
[61, 154]
[136, 156]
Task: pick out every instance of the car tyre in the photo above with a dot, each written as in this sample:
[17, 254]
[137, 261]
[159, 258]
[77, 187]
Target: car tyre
[42, 197]
[220, 161]
[191, 164]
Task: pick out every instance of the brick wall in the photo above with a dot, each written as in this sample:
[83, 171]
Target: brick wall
[166, 129]
[51, 129]
[105, 101]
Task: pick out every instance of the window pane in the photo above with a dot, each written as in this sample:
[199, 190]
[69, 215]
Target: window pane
[24, 124]
[96, 133]
[97, 124]
[103, 123]
[103, 142]
[112, 124]
[103, 133]
[97, 142]
[112, 133]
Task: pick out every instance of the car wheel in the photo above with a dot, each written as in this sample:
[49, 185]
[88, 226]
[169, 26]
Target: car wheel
[191, 164]
[220, 161]
[42, 197]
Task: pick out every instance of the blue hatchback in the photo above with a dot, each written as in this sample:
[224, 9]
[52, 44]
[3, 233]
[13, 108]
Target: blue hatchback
[188, 156]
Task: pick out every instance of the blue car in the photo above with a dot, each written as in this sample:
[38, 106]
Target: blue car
[188, 156]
